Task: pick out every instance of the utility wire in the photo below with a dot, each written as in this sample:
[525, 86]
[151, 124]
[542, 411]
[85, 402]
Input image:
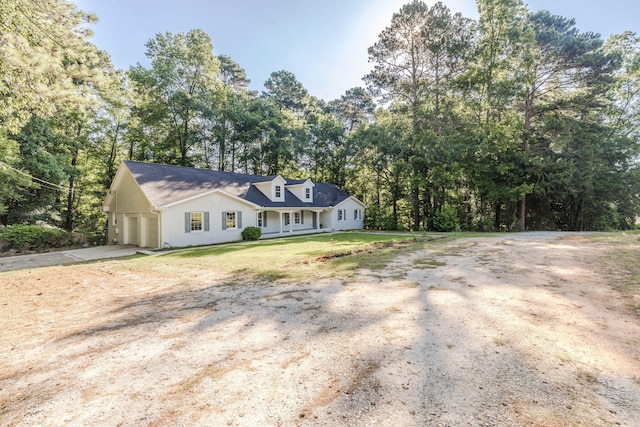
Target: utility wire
[47, 184]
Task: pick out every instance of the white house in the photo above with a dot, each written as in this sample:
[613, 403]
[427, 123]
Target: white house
[154, 205]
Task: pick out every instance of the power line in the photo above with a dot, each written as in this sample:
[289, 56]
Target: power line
[49, 185]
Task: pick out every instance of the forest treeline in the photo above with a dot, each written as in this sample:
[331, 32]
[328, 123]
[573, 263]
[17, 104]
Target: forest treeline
[514, 121]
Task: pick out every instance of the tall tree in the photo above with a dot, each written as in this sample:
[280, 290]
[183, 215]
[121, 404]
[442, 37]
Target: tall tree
[43, 51]
[183, 78]
[111, 122]
[223, 118]
[564, 71]
[41, 156]
[416, 60]
[495, 82]
[46, 64]
[355, 108]
[233, 75]
[284, 89]
[400, 67]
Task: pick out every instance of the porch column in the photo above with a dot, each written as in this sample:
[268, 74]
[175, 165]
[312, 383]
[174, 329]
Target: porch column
[291, 222]
[280, 215]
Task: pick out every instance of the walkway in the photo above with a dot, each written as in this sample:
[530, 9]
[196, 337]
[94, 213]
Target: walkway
[22, 262]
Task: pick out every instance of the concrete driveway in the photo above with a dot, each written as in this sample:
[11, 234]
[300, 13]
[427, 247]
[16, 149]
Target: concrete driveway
[22, 262]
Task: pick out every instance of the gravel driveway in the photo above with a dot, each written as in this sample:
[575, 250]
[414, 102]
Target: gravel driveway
[510, 330]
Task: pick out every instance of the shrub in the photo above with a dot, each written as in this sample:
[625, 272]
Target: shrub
[34, 238]
[251, 233]
[446, 219]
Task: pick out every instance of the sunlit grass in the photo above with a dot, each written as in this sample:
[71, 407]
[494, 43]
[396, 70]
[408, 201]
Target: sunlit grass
[621, 262]
[616, 238]
[291, 258]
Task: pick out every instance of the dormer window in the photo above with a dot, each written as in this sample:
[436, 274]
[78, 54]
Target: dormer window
[307, 193]
[278, 191]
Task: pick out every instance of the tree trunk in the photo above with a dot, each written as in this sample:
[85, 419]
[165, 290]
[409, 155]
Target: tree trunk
[184, 141]
[521, 212]
[72, 182]
[498, 210]
[416, 209]
[528, 113]
[113, 153]
[71, 193]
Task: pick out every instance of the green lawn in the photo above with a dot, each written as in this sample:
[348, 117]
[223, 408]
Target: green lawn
[295, 257]
[623, 262]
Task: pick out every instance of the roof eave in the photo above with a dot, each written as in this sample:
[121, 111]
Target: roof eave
[352, 198]
[208, 193]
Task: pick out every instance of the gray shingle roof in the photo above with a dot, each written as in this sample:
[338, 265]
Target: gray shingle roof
[165, 184]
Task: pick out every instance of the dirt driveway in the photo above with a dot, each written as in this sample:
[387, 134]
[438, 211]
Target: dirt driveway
[510, 330]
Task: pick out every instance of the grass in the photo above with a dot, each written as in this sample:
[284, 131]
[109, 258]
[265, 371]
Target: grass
[290, 258]
[621, 263]
[410, 285]
[588, 376]
[428, 263]
[461, 281]
[564, 357]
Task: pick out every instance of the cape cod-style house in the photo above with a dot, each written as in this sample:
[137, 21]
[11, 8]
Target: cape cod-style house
[155, 205]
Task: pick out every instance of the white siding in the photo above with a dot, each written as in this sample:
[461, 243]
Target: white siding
[272, 222]
[326, 219]
[173, 221]
[348, 222]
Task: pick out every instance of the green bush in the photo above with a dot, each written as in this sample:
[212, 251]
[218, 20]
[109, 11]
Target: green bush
[251, 233]
[34, 238]
[446, 219]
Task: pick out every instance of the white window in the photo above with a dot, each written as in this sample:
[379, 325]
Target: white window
[307, 193]
[197, 221]
[342, 213]
[296, 218]
[287, 219]
[357, 214]
[231, 220]
[260, 218]
[278, 191]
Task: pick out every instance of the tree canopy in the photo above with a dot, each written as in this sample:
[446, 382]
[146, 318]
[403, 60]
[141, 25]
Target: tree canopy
[514, 121]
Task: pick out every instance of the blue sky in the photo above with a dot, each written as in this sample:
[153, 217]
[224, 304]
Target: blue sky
[323, 42]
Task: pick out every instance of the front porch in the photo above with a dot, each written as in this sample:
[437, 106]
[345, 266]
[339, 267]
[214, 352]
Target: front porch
[289, 222]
